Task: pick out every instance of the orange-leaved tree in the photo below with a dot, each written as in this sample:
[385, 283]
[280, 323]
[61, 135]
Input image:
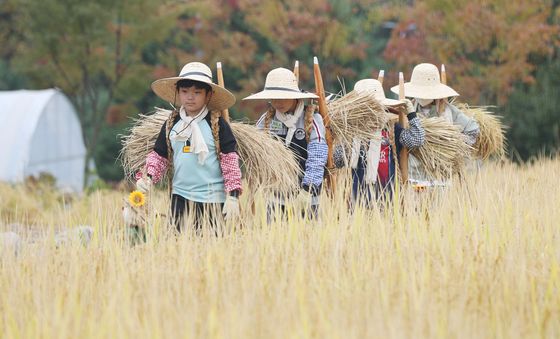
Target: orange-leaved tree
[487, 45]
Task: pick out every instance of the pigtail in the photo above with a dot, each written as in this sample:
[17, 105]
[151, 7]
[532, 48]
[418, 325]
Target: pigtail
[308, 121]
[214, 124]
[168, 126]
[268, 118]
[440, 106]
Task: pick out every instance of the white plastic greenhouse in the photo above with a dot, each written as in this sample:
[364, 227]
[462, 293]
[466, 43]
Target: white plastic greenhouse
[40, 133]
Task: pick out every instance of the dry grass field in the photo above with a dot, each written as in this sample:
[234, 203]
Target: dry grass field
[481, 260]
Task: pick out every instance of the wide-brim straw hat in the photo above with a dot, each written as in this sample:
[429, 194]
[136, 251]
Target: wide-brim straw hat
[425, 83]
[281, 83]
[375, 88]
[166, 88]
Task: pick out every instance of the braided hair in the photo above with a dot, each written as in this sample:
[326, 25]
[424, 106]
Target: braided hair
[268, 118]
[168, 126]
[440, 105]
[215, 126]
[308, 120]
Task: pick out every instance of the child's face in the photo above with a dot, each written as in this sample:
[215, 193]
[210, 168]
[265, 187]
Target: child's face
[425, 102]
[193, 99]
[283, 105]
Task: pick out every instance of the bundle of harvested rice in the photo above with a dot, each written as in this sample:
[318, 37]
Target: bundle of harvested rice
[444, 151]
[355, 115]
[491, 140]
[140, 140]
[267, 163]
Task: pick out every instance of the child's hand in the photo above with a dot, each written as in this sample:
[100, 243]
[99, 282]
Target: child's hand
[409, 106]
[144, 184]
[231, 208]
[303, 199]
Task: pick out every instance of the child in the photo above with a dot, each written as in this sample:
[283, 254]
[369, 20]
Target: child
[373, 163]
[198, 147]
[299, 126]
[430, 98]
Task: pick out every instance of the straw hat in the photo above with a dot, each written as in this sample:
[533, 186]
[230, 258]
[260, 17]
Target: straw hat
[426, 84]
[281, 83]
[166, 88]
[375, 88]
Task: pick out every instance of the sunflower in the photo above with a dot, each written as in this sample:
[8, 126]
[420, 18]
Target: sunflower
[419, 187]
[137, 199]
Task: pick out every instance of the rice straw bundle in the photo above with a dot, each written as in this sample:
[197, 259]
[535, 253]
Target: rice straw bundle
[268, 164]
[140, 140]
[444, 151]
[356, 115]
[491, 140]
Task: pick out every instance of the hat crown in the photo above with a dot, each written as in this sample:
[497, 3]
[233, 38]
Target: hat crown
[370, 86]
[281, 83]
[281, 78]
[166, 88]
[425, 75]
[196, 69]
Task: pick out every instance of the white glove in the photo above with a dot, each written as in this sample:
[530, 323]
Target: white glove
[231, 208]
[409, 106]
[144, 184]
[303, 199]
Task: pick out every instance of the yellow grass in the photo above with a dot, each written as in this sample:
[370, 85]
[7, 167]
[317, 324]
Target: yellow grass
[483, 263]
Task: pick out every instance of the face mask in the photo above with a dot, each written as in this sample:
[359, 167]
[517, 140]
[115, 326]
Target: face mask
[424, 102]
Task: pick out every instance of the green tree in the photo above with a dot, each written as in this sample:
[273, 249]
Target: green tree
[91, 50]
[10, 37]
[533, 110]
[533, 113]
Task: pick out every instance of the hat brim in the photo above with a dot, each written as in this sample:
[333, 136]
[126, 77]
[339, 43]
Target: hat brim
[434, 92]
[280, 94]
[390, 102]
[166, 89]
[379, 97]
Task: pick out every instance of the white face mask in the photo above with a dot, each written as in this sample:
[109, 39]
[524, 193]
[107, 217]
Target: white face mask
[424, 102]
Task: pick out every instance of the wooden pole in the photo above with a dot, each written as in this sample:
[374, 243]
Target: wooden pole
[381, 76]
[443, 75]
[440, 104]
[296, 70]
[320, 91]
[225, 112]
[403, 121]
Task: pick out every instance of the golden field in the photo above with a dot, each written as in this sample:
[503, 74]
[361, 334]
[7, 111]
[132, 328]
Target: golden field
[479, 261]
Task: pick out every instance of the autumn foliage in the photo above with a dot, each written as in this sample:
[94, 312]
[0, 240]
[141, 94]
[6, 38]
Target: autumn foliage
[105, 54]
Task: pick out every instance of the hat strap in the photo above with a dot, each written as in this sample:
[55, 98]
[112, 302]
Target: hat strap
[195, 73]
[281, 89]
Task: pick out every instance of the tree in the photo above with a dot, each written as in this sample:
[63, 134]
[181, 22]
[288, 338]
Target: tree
[10, 38]
[533, 113]
[487, 45]
[91, 50]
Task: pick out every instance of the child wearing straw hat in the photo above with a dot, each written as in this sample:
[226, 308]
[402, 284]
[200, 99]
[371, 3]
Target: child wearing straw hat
[198, 147]
[373, 162]
[430, 98]
[299, 126]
